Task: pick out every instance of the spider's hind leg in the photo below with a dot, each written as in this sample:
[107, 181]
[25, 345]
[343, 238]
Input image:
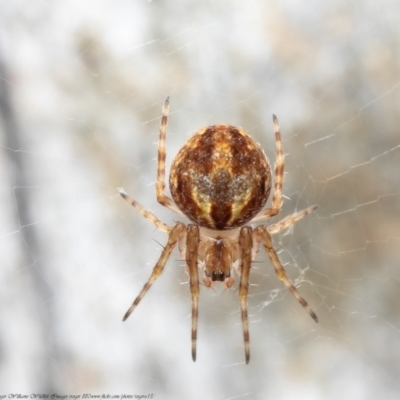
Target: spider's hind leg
[290, 220]
[146, 213]
[277, 197]
[162, 198]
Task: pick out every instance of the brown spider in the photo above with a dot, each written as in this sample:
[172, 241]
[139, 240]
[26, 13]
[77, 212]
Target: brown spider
[220, 180]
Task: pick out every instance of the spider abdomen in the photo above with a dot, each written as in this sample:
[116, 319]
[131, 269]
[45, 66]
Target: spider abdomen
[220, 179]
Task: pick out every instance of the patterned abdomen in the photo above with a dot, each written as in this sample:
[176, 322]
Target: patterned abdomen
[220, 178]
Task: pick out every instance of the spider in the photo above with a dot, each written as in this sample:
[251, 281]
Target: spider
[221, 180]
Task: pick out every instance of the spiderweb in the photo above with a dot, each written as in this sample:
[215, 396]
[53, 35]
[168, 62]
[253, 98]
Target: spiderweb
[82, 86]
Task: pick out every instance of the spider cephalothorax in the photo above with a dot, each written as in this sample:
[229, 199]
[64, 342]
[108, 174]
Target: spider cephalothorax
[220, 180]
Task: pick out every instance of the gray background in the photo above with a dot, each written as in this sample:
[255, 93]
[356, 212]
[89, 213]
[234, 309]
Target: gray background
[82, 86]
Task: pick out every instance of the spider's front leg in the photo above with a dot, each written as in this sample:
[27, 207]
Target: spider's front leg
[176, 234]
[261, 234]
[245, 244]
[192, 245]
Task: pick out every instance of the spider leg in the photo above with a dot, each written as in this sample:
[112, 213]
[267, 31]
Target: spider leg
[162, 155]
[290, 220]
[245, 244]
[277, 199]
[175, 235]
[262, 233]
[280, 225]
[146, 213]
[192, 243]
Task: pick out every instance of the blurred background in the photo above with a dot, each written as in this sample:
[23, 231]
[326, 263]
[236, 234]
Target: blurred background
[81, 91]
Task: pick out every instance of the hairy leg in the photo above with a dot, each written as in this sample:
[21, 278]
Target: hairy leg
[176, 234]
[262, 232]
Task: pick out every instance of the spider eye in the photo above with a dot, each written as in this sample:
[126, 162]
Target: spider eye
[218, 276]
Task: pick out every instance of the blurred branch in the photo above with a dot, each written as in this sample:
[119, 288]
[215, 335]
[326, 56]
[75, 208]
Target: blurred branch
[19, 180]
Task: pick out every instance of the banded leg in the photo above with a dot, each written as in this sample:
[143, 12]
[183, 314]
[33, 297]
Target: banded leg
[262, 232]
[146, 213]
[280, 225]
[289, 220]
[245, 244]
[162, 155]
[277, 199]
[192, 243]
[176, 234]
